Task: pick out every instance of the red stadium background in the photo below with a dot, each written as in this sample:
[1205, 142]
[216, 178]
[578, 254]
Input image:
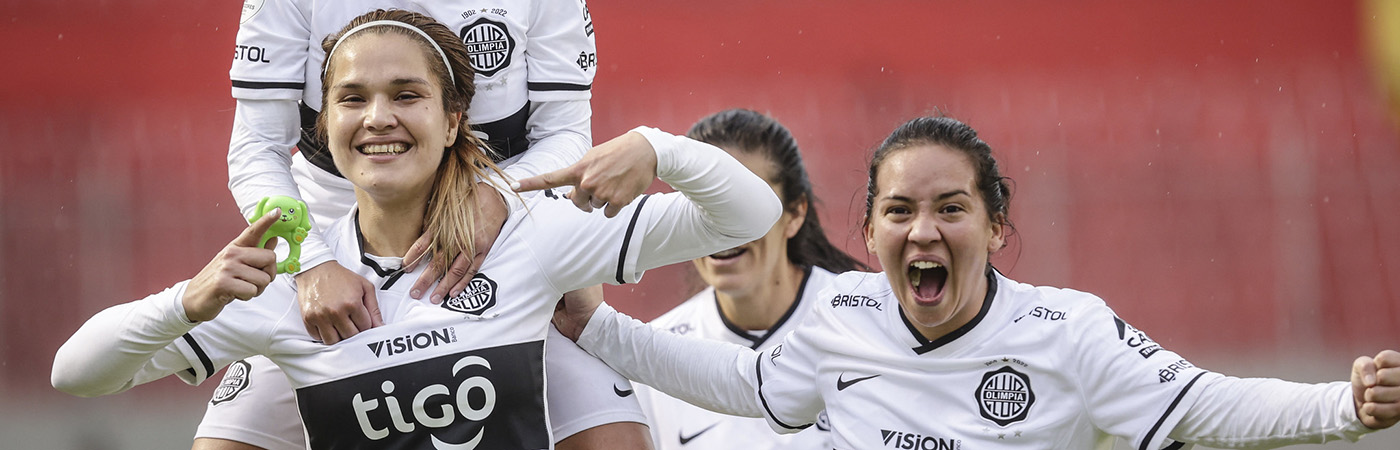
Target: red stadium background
[1225, 174]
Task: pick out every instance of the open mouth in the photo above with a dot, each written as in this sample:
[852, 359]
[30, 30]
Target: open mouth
[383, 149]
[927, 279]
[730, 254]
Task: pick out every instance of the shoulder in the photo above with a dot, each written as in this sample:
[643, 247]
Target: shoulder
[853, 295]
[1026, 297]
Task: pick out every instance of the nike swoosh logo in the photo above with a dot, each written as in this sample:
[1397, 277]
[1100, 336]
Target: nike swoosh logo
[620, 392]
[841, 385]
[686, 440]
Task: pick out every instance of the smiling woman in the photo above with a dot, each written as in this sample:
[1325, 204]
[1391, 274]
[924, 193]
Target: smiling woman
[942, 334]
[469, 371]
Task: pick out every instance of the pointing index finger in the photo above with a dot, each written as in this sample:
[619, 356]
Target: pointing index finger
[253, 234]
[562, 177]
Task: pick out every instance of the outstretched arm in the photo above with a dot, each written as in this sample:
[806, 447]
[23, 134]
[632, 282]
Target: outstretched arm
[1264, 412]
[130, 344]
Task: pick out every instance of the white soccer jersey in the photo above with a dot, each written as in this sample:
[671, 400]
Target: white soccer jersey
[255, 404]
[1038, 367]
[534, 62]
[523, 51]
[677, 425]
[467, 372]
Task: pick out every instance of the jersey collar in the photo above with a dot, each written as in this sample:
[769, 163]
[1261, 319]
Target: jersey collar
[389, 276]
[926, 345]
[756, 342]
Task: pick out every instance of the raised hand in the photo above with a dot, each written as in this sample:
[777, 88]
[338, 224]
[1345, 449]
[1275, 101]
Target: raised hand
[609, 176]
[240, 271]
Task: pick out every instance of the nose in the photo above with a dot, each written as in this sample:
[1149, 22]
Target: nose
[924, 229]
[380, 116]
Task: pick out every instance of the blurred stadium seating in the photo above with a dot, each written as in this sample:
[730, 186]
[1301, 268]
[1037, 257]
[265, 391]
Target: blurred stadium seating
[1225, 174]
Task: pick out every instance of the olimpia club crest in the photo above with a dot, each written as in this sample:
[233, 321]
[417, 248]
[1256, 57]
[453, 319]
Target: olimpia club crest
[479, 296]
[489, 46]
[1005, 396]
[235, 381]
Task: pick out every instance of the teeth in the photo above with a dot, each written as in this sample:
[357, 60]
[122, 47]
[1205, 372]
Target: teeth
[383, 149]
[917, 274]
[727, 253]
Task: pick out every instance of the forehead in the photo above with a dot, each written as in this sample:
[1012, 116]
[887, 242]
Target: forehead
[379, 52]
[925, 170]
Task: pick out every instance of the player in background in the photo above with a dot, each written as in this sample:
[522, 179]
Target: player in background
[467, 372]
[534, 63]
[756, 293]
[942, 351]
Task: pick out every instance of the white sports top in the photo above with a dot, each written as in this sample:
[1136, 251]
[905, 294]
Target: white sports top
[1039, 367]
[467, 372]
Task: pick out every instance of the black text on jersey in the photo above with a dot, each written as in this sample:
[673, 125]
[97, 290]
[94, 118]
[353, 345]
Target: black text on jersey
[419, 341]
[914, 441]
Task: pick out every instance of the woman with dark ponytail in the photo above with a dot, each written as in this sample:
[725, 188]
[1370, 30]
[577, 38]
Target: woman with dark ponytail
[756, 292]
[941, 350]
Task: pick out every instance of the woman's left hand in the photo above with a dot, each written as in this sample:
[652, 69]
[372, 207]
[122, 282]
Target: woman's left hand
[1375, 387]
[611, 175]
[573, 311]
[454, 280]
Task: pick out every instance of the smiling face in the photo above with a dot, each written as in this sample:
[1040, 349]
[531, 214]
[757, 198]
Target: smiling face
[385, 123]
[740, 270]
[931, 231]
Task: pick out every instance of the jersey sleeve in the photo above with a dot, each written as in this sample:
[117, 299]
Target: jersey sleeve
[560, 51]
[259, 163]
[787, 375]
[720, 204]
[1265, 413]
[270, 51]
[145, 340]
[268, 77]
[1131, 386]
[559, 133]
[718, 376]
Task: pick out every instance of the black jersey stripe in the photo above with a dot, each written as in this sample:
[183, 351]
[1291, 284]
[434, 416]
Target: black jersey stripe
[758, 370]
[1156, 427]
[627, 239]
[558, 86]
[756, 342]
[203, 358]
[267, 85]
[1175, 445]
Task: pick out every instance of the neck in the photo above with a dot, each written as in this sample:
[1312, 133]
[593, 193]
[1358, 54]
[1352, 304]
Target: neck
[761, 307]
[390, 227]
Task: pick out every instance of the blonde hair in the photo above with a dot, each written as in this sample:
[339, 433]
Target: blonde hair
[452, 210]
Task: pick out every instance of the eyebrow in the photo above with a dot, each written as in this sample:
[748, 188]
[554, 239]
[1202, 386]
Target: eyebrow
[395, 82]
[939, 198]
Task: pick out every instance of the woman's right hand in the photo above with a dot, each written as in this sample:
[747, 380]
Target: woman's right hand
[573, 311]
[240, 271]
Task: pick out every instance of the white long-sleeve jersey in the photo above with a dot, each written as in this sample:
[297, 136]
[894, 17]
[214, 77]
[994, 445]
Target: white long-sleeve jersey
[1038, 367]
[534, 61]
[677, 425]
[468, 371]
